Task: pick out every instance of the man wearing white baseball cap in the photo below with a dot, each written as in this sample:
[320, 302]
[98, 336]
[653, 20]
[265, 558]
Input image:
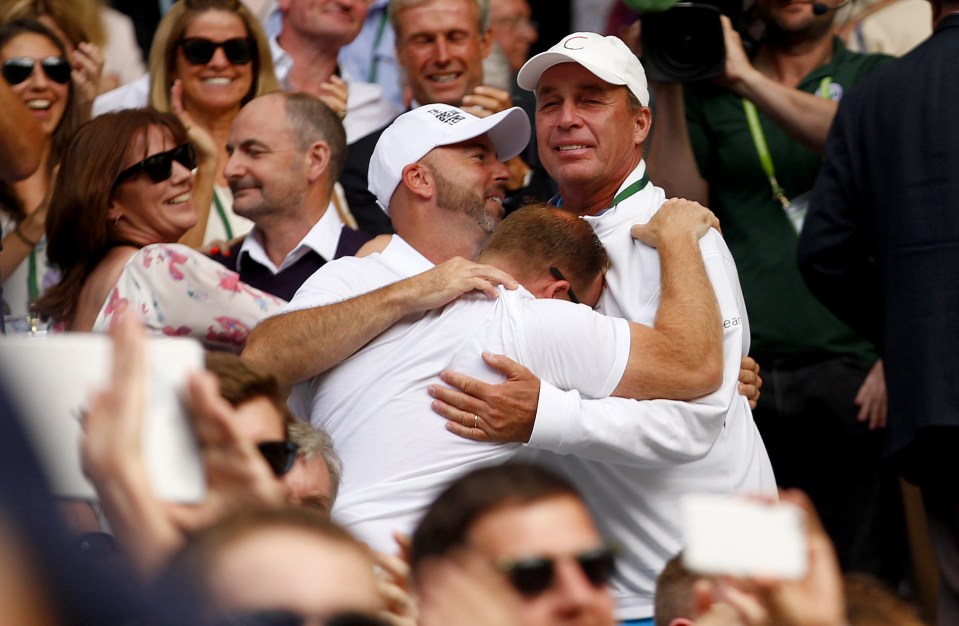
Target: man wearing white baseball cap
[438, 170]
[592, 120]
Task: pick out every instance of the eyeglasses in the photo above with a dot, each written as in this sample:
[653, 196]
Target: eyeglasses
[279, 455]
[534, 575]
[558, 275]
[19, 69]
[159, 167]
[199, 51]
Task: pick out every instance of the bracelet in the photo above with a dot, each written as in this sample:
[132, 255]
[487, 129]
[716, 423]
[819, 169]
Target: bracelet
[24, 239]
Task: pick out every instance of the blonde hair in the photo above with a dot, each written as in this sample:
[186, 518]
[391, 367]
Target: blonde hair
[170, 31]
[79, 21]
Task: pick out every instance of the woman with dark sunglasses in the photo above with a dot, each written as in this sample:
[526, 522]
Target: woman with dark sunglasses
[34, 64]
[208, 59]
[122, 200]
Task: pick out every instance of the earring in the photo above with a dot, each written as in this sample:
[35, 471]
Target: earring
[116, 220]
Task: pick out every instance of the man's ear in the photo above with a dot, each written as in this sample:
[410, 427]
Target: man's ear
[643, 120]
[318, 160]
[419, 180]
[556, 289]
[486, 43]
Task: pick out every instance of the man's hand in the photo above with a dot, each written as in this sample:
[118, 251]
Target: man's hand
[393, 580]
[738, 68]
[872, 399]
[447, 281]
[503, 412]
[237, 475]
[750, 382]
[334, 93]
[86, 62]
[485, 101]
[676, 218]
[814, 600]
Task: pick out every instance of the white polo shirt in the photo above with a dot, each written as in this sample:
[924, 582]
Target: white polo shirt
[397, 453]
[634, 460]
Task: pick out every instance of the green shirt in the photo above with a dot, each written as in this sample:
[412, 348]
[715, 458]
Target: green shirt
[785, 318]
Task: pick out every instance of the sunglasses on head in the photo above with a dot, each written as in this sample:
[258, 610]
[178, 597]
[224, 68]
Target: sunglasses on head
[534, 575]
[199, 51]
[159, 167]
[558, 275]
[279, 455]
[19, 69]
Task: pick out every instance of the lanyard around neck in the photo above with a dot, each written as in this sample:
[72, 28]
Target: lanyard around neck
[630, 191]
[33, 282]
[223, 218]
[374, 61]
[762, 148]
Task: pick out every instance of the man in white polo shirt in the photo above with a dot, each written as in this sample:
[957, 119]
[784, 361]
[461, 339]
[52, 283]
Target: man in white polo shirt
[438, 168]
[592, 120]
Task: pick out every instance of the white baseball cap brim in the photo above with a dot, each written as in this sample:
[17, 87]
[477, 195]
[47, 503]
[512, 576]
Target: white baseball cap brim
[415, 133]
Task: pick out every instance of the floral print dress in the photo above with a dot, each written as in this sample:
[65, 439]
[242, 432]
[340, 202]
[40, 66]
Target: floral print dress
[179, 291]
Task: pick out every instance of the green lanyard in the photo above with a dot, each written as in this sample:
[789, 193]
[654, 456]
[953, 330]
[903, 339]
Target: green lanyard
[374, 64]
[223, 218]
[632, 190]
[33, 284]
[759, 139]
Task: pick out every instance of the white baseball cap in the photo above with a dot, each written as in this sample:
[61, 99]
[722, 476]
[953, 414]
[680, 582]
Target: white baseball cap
[607, 57]
[412, 135]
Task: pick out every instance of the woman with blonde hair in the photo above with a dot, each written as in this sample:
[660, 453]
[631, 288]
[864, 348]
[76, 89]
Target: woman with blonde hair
[208, 59]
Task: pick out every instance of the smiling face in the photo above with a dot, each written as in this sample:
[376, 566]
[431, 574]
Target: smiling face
[217, 85]
[335, 22]
[441, 49]
[152, 212]
[267, 174]
[46, 99]
[470, 182]
[589, 136]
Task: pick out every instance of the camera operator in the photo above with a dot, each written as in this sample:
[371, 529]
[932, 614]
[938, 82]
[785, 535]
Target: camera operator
[749, 145]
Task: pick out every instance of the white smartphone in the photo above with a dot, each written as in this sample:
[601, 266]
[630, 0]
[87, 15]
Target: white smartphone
[51, 378]
[737, 536]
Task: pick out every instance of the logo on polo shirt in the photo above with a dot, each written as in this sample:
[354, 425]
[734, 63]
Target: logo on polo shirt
[447, 117]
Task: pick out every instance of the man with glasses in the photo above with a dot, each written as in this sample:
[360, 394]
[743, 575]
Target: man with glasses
[533, 527]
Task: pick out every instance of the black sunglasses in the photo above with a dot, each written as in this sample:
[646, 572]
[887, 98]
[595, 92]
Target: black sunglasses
[199, 51]
[279, 455]
[558, 275]
[534, 575]
[19, 69]
[159, 167]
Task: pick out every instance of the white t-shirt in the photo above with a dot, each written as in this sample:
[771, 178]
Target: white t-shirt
[633, 460]
[396, 451]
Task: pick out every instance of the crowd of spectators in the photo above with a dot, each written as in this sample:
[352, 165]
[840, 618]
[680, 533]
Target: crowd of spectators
[481, 306]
